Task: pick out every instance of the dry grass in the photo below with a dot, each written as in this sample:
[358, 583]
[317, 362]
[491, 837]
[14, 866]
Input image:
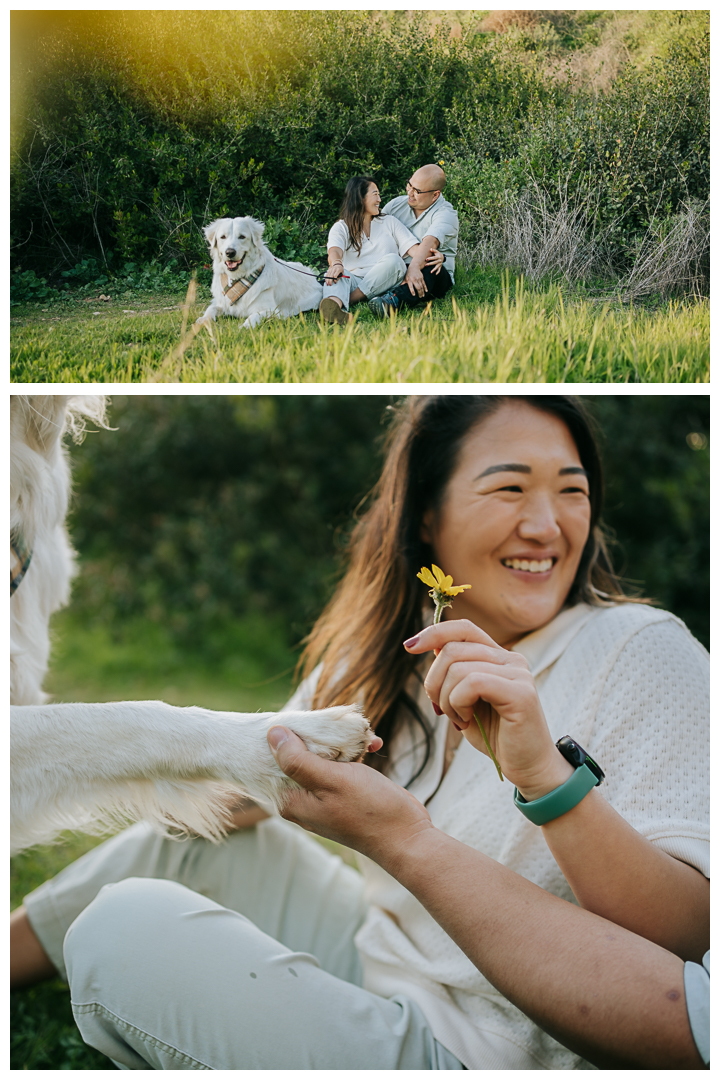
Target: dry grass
[540, 236]
[673, 256]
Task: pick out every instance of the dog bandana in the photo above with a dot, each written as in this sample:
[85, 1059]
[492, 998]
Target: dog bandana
[20, 557]
[233, 291]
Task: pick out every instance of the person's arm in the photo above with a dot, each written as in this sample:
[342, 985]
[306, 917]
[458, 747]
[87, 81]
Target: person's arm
[335, 265]
[613, 870]
[419, 253]
[605, 993]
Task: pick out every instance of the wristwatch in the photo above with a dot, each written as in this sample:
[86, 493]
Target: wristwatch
[587, 775]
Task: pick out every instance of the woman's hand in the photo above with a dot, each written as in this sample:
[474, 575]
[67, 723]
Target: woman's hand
[435, 261]
[334, 272]
[347, 801]
[472, 676]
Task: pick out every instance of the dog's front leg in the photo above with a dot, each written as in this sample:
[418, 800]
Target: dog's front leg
[209, 315]
[258, 316]
[75, 765]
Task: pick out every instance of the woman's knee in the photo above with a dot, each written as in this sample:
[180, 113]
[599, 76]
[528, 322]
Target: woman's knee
[129, 916]
[393, 264]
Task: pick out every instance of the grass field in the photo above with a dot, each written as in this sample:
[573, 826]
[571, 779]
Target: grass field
[490, 330]
[131, 661]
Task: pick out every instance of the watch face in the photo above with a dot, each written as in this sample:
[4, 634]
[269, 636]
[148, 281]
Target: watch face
[574, 753]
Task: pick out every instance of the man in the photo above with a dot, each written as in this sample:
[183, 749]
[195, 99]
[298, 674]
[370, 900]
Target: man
[434, 222]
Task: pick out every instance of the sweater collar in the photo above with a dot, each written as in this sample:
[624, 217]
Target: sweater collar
[544, 646]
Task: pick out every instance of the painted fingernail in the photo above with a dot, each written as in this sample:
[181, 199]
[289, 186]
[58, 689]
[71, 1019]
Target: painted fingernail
[438, 710]
[411, 641]
[456, 726]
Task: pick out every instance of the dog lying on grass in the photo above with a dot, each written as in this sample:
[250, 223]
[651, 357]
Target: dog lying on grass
[86, 766]
[249, 282]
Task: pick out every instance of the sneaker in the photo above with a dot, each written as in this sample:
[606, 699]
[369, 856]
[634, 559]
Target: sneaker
[381, 306]
[331, 312]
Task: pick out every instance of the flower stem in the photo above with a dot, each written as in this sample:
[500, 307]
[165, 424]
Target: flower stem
[489, 747]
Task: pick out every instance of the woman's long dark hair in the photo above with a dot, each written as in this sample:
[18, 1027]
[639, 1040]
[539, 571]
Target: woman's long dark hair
[379, 602]
[352, 211]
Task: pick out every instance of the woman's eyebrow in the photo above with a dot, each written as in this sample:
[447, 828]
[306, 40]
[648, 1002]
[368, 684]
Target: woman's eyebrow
[505, 468]
[515, 467]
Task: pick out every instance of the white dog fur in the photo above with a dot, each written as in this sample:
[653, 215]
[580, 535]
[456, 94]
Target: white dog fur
[283, 289]
[85, 766]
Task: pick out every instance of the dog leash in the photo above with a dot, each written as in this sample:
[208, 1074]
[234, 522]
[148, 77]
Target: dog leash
[318, 276]
[20, 556]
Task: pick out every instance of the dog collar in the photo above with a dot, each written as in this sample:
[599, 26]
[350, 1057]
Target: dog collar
[233, 291]
[20, 556]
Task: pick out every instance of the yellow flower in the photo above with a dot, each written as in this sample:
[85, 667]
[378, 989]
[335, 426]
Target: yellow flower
[442, 582]
[442, 589]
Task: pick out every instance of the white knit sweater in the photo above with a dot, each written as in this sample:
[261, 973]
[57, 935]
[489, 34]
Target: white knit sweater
[630, 683]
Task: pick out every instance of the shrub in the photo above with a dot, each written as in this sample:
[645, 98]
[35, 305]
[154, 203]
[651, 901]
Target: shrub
[26, 286]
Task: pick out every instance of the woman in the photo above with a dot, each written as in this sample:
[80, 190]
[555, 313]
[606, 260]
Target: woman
[365, 251]
[505, 494]
[649, 1010]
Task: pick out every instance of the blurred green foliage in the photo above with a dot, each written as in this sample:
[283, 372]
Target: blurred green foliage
[133, 129]
[206, 513]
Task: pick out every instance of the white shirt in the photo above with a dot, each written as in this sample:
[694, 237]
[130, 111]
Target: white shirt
[388, 236]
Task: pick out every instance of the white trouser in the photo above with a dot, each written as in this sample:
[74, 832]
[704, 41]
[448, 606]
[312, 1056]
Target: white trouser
[232, 956]
[384, 275]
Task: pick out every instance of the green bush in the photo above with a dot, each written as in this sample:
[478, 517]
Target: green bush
[200, 511]
[26, 286]
[632, 157]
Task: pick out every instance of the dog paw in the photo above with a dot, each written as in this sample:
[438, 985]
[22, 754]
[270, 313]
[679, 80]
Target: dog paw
[341, 733]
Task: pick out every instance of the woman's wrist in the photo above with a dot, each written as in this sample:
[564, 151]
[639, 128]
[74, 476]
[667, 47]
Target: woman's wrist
[552, 775]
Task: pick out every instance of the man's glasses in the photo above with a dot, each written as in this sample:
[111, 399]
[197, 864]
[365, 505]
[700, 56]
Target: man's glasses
[410, 187]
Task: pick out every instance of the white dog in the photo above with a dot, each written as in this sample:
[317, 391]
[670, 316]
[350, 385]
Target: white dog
[248, 281]
[86, 766]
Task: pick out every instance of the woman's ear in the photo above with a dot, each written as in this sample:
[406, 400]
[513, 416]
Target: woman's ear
[427, 526]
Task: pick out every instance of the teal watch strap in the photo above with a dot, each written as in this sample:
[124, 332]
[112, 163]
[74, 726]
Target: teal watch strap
[558, 802]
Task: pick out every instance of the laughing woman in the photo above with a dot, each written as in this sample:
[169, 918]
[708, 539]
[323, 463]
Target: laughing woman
[267, 952]
[365, 249]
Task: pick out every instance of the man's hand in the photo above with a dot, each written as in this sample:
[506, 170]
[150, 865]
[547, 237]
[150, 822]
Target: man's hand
[346, 801]
[435, 261]
[414, 279]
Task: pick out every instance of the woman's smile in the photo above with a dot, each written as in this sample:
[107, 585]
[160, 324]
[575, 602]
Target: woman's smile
[531, 564]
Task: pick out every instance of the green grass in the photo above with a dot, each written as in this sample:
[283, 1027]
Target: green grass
[140, 660]
[131, 660]
[488, 331]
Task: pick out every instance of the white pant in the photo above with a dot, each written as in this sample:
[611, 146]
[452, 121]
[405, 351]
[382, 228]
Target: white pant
[385, 274]
[168, 977]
